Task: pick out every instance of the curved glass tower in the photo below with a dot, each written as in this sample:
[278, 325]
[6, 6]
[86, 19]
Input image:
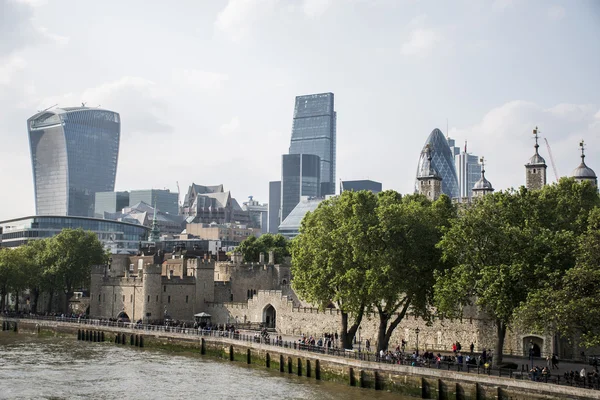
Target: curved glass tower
[74, 154]
[443, 162]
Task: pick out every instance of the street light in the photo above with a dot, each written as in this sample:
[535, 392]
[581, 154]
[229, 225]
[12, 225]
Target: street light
[531, 352]
[359, 329]
[417, 332]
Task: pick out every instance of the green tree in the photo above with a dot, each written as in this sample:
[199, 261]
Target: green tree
[37, 265]
[404, 247]
[571, 305]
[253, 246]
[329, 258]
[71, 254]
[11, 275]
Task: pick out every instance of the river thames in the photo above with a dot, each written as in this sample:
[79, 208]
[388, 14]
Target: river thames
[62, 368]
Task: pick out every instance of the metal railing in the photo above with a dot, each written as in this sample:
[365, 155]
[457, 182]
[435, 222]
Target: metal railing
[590, 381]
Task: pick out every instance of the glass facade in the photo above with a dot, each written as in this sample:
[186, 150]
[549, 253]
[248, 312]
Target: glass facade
[468, 171]
[118, 237]
[166, 201]
[314, 132]
[74, 154]
[357, 186]
[443, 162]
[274, 206]
[110, 202]
[290, 227]
[300, 177]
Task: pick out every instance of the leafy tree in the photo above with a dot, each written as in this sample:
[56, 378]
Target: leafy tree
[71, 254]
[508, 245]
[36, 262]
[571, 306]
[407, 231]
[253, 246]
[330, 257]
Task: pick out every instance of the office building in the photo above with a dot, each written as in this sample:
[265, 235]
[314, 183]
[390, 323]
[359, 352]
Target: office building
[164, 200]
[274, 206]
[74, 152]
[258, 214]
[314, 132]
[144, 214]
[468, 171]
[357, 186]
[116, 236]
[290, 227]
[223, 232]
[110, 202]
[442, 160]
[300, 176]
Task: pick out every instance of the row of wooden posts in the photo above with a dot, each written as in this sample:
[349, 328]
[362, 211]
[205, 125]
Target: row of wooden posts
[120, 338]
[9, 326]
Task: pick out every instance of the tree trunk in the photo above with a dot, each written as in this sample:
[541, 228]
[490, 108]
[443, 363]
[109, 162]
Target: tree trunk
[501, 334]
[16, 301]
[3, 298]
[347, 335]
[35, 297]
[49, 310]
[382, 343]
[68, 295]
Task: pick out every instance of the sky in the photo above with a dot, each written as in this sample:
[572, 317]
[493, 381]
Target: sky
[206, 88]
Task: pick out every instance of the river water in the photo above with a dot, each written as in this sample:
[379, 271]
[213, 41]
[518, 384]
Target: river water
[59, 368]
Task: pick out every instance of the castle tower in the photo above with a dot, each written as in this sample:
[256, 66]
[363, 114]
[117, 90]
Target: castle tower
[482, 186]
[151, 291]
[584, 173]
[535, 169]
[429, 181]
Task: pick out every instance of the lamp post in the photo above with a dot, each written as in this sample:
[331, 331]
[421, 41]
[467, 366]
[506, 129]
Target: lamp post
[531, 352]
[417, 332]
[359, 329]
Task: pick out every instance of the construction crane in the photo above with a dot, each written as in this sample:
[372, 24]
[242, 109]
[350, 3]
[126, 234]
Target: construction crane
[178, 193]
[552, 160]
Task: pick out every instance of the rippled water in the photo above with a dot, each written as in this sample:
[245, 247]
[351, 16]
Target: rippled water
[58, 368]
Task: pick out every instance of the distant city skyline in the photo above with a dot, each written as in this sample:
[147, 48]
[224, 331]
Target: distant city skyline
[215, 106]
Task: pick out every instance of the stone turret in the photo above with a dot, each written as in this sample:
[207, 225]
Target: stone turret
[151, 290]
[584, 173]
[535, 169]
[482, 186]
[430, 182]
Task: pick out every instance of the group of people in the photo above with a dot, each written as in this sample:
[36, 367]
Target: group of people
[327, 340]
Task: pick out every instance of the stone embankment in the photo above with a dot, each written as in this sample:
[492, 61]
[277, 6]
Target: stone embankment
[345, 368]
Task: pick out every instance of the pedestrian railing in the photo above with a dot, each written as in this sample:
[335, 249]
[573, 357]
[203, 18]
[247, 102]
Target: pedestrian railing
[590, 382]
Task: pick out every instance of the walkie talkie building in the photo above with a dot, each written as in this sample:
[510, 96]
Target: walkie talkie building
[74, 152]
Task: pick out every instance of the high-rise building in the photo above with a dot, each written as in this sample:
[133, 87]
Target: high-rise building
[357, 186]
[110, 202]
[442, 160]
[165, 200]
[258, 214]
[300, 176]
[468, 171]
[274, 206]
[74, 152]
[314, 132]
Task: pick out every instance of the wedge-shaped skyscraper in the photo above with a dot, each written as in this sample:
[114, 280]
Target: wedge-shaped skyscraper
[74, 152]
[442, 159]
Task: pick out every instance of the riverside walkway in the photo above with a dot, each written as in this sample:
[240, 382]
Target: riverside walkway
[292, 344]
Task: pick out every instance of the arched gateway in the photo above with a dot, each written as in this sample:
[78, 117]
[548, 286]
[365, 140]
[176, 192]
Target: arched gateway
[269, 316]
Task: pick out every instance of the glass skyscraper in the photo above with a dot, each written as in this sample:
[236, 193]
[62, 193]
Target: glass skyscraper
[74, 152]
[313, 132]
[443, 162]
[300, 176]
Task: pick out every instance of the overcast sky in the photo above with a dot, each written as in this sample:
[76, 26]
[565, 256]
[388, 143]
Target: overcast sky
[206, 89]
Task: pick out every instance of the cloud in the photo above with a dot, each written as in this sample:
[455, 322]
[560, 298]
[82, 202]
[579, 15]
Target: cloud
[239, 16]
[10, 66]
[230, 127]
[504, 136]
[421, 41]
[316, 8]
[501, 5]
[138, 100]
[20, 29]
[556, 13]
[200, 79]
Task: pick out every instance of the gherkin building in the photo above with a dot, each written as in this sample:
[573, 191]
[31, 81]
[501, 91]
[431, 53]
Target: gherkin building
[443, 162]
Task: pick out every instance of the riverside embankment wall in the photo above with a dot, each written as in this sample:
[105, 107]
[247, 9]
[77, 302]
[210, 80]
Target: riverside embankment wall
[417, 382]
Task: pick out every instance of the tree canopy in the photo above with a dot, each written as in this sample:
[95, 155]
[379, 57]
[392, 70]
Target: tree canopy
[508, 245]
[253, 246]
